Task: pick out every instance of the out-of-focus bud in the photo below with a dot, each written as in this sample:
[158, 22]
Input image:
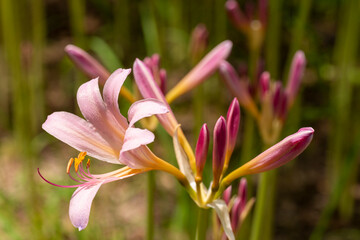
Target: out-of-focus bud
[263, 6]
[264, 84]
[87, 64]
[198, 42]
[277, 97]
[232, 124]
[207, 66]
[163, 80]
[237, 87]
[296, 73]
[276, 156]
[202, 147]
[237, 18]
[239, 205]
[159, 74]
[242, 192]
[227, 195]
[219, 150]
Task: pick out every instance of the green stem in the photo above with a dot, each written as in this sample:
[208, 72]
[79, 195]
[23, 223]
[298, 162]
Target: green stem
[36, 77]
[202, 223]
[345, 58]
[298, 31]
[150, 205]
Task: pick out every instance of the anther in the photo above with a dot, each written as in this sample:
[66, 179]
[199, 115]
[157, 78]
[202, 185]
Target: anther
[71, 161]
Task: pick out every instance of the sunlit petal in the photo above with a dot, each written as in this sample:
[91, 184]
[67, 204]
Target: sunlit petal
[95, 111]
[111, 93]
[79, 134]
[145, 108]
[135, 137]
[80, 205]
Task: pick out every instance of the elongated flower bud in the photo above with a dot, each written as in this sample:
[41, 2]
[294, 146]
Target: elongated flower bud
[232, 124]
[207, 66]
[227, 195]
[295, 75]
[239, 204]
[237, 87]
[219, 149]
[276, 156]
[235, 15]
[202, 148]
[242, 192]
[198, 42]
[277, 97]
[263, 7]
[86, 63]
[163, 80]
[264, 84]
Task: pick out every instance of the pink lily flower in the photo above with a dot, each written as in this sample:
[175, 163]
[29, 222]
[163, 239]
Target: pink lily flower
[107, 135]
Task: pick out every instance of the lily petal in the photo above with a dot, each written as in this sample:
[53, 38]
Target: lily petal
[222, 212]
[135, 137]
[95, 111]
[80, 205]
[145, 108]
[111, 92]
[79, 134]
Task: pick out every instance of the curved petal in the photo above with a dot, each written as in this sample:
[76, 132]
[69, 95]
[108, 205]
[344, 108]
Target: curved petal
[145, 108]
[222, 212]
[80, 205]
[95, 111]
[79, 134]
[111, 92]
[135, 137]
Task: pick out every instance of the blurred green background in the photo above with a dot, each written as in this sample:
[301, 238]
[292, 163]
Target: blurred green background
[318, 194]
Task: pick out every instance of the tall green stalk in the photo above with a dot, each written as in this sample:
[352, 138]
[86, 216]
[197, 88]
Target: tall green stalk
[263, 216]
[21, 108]
[36, 74]
[202, 222]
[77, 24]
[345, 56]
[150, 205]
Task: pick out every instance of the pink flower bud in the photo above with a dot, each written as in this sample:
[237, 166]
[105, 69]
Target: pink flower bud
[87, 64]
[155, 58]
[242, 192]
[202, 148]
[237, 87]
[206, 67]
[281, 153]
[198, 42]
[263, 8]
[235, 15]
[227, 195]
[232, 124]
[278, 98]
[274, 157]
[219, 149]
[264, 84]
[163, 80]
[295, 75]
